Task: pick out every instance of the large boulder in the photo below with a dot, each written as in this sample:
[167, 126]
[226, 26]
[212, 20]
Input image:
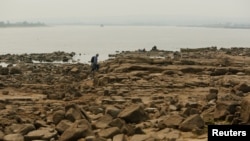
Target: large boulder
[74, 112]
[224, 108]
[79, 129]
[63, 125]
[15, 70]
[58, 116]
[173, 121]
[243, 87]
[133, 114]
[103, 122]
[41, 134]
[213, 94]
[192, 122]
[20, 128]
[13, 137]
[4, 70]
[109, 132]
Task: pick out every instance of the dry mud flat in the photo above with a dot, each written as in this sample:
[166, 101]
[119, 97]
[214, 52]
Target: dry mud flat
[136, 96]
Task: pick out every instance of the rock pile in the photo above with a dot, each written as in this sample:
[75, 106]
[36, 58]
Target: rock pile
[136, 96]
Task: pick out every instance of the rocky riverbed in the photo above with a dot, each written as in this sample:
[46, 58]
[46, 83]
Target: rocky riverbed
[135, 96]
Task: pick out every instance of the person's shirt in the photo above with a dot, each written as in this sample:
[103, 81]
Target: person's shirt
[95, 60]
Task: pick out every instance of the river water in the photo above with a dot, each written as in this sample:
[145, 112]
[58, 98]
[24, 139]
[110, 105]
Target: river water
[86, 41]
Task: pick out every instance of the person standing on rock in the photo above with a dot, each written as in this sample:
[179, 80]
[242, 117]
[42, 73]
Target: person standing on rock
[94, 63]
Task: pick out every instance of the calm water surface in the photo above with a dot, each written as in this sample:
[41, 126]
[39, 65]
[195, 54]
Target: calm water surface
[89, 40]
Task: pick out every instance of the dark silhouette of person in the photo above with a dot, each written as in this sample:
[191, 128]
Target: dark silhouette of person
[94, 63]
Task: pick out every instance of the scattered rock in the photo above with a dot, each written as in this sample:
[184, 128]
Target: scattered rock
[145, 95]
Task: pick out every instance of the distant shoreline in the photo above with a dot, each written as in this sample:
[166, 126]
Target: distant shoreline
[221, 26]
[21, 24]
[39, 24]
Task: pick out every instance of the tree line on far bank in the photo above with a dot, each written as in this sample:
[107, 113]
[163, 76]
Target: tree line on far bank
[21, 24]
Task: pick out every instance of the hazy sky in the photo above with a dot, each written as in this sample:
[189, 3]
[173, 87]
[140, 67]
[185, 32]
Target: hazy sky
[119, 11]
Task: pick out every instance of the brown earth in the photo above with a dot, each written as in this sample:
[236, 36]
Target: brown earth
[137, 96]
